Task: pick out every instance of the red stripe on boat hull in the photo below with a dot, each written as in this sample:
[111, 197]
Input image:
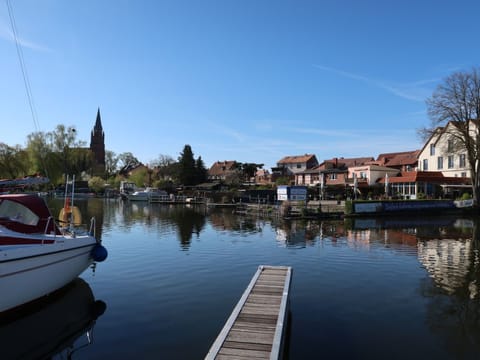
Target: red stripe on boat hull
[7, 240]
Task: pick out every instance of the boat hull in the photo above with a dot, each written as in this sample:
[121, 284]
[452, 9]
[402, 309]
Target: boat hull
[29, 272]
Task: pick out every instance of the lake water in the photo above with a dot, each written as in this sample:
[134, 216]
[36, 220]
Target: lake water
[392, 288]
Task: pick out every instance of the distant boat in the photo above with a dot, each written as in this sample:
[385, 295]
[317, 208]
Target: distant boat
[37, 255]
[145, 195]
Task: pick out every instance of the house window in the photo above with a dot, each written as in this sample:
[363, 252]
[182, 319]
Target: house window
[299, 166]
[425, 164]
[464, 174]
[450, 146]
[432, 149]
[440, 162]
[363, 175]
[450, 161]
[333, 176]
[412, 188]
[462, 160]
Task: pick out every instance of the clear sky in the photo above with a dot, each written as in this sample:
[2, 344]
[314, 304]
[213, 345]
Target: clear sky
[245, 80]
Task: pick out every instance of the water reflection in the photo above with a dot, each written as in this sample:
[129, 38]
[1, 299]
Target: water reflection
[57, 325]
[297, 234]
[415, 278]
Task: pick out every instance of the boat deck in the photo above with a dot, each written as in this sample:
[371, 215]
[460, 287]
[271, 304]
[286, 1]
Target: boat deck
[256, 327]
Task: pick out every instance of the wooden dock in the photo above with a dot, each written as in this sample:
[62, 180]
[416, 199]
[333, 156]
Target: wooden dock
[257, 325]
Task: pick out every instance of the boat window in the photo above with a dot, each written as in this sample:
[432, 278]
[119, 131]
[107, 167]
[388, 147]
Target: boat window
[18, 212]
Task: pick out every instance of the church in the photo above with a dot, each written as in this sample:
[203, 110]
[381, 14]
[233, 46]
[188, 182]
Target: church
[97, 147]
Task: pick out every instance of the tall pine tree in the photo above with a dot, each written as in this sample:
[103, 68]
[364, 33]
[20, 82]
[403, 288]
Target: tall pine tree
[186, 167]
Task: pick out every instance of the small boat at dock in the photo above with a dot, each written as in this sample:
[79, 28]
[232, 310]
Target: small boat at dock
[39, 255]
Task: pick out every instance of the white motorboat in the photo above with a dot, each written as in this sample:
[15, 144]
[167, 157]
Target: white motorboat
[145, 195]
[37, 256]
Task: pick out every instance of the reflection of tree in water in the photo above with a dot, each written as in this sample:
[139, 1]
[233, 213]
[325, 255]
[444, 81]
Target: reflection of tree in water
[188, 221]
[453, 310]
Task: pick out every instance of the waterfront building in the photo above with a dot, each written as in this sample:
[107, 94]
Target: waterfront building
[443, 153]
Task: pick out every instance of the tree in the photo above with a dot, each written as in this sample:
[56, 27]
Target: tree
[127, 160]
[250, 169]
[200, 171]
[140, 177]
[457, 101]
[165, 167]
[13, 162]
[97, 184]
[111, 163]
[63, 139]
[38, 150]
[162, 161]
[186, 167]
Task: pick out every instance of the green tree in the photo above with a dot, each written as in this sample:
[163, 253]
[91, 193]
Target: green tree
[97, 184]
[186, 167]
[200, 171]
[111, 163]
[457, 100]
[165, 167]
[13, 161]
[42, 159]
[282, 181]
[64, 143]
[139, 177]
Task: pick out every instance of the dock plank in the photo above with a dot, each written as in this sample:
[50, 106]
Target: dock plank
[256, 327]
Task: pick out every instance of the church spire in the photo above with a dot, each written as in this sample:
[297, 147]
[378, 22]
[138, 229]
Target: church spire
[97, 145]
[98, 122]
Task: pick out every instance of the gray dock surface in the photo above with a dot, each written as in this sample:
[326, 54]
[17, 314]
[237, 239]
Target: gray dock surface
[257, 325]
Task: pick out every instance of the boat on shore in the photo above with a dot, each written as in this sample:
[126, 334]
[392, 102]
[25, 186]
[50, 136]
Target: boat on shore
[39, 255]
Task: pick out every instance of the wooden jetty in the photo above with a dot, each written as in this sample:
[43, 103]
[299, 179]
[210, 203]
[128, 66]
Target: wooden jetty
[256, 327]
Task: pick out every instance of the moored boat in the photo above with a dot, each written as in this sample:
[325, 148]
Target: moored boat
[37, 256]
[146, 195]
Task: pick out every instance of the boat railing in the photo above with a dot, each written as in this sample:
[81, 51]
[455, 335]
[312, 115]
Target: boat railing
[50, 218]
[92, 227]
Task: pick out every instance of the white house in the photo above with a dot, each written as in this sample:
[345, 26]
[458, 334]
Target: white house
[371, 173]
[441, 153]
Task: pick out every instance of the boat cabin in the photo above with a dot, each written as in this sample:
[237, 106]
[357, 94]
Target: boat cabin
[27, 214]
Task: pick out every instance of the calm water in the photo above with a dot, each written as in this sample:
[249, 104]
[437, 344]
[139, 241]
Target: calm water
[366, 289]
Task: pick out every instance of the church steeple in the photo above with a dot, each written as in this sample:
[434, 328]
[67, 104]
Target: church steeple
[97, 145]
[98, 122]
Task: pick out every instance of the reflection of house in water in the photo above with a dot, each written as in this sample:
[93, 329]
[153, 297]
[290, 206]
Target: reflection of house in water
[448, 262]
[394, 238]
[226, 220]
[297, 234]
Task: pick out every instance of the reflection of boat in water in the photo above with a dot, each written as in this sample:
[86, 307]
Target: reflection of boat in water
[51, 325]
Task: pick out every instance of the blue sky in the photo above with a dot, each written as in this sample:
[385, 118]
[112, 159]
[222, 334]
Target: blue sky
[251, 81]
